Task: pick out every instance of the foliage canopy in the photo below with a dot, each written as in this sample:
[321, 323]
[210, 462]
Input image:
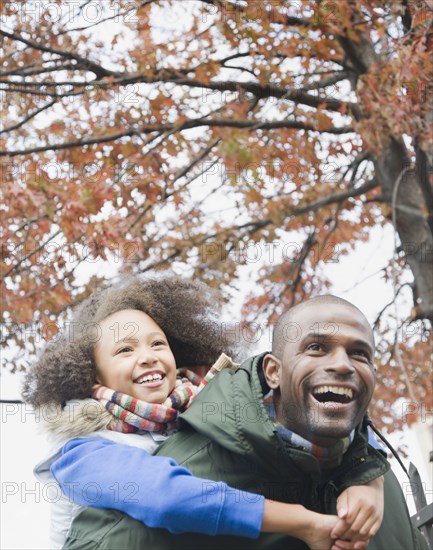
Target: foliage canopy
[158, 133]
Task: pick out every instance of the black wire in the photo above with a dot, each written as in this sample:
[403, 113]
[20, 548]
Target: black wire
[388, 444]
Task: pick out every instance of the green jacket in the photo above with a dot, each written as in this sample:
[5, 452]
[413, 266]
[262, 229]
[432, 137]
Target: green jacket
[227, 435]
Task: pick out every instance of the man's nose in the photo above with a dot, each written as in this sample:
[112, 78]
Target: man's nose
[340, 362]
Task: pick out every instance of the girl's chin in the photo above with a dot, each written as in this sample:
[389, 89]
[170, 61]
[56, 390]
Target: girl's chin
[154, 397]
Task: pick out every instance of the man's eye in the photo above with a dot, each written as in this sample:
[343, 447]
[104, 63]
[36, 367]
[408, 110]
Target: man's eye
[315, 347]
[362, 353]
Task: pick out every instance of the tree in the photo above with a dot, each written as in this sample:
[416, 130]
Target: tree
[123, 120]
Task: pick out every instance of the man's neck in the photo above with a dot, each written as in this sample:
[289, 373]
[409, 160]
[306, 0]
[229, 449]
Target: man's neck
[275, 413]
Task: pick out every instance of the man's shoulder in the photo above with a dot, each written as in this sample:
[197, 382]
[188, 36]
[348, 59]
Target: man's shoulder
[183, 445]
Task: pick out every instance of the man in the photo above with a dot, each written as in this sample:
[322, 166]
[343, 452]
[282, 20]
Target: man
[307, 451]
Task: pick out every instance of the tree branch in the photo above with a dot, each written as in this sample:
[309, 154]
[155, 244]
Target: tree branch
[36, 69]
[195, 123]
[406, 17]
[297, 95]
[336, 76]
[29, 255]
[99, 71]
[337, 197]
[202, 154]
[28, 117]
[104, 20]
[37, 92]
[309, 242]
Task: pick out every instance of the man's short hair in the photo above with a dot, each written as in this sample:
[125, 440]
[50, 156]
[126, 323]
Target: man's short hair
[279, 332]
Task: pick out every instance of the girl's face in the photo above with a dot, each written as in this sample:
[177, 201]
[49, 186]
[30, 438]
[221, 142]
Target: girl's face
[132, 356]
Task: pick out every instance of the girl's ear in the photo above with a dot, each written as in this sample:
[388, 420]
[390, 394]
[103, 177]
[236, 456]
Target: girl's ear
[272, 370]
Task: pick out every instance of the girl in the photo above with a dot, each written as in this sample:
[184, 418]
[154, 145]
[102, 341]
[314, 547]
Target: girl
[120, 359]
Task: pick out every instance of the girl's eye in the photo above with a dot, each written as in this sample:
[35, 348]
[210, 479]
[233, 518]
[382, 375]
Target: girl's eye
[159, 343]
[125, 349]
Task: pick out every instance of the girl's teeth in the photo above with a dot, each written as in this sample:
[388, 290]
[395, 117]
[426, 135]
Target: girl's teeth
[150, 378]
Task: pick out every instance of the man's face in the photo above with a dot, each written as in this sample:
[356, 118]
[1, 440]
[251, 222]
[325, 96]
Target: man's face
[325, 378]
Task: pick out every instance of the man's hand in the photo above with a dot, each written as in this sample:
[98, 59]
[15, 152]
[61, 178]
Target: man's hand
[360, 509]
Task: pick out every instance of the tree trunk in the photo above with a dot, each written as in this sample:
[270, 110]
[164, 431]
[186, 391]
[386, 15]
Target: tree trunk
[393, 168]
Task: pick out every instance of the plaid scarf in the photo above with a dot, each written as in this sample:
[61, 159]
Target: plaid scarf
[327, 457]
[131, 414]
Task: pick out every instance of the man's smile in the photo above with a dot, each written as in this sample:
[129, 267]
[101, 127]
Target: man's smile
[331, 393]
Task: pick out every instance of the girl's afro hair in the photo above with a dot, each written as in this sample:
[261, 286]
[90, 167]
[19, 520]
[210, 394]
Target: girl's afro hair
[187, 311]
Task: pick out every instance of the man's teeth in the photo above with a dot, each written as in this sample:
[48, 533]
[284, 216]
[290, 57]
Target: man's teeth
[149, 378]
[335, 389]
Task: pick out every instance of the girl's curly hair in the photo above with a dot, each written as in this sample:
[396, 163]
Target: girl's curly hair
[187, 311]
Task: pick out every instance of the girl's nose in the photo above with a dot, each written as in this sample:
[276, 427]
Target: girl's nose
[146, 356]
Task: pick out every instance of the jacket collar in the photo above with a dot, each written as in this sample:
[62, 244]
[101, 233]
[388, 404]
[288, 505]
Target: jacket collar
[231, 411]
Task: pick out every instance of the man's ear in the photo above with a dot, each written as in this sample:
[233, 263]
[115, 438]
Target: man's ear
[272, 370]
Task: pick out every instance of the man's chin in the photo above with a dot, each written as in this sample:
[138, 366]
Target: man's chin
[329, 436]
[333, 420]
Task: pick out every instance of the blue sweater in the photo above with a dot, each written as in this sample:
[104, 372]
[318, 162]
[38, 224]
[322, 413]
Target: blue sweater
[154, 490]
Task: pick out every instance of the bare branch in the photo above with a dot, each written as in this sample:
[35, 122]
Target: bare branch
[37, 92]
[204, 153]
[38, 70]
[336, 76]
[309, 242]
[297, 95]
[194, 123]
[84, 63]
[386, 306]
[30, 254]
[309, 207]
[233, 56]
[28, 117]
[104, 20]
[179, 175]
[27, 223]
[336, 197]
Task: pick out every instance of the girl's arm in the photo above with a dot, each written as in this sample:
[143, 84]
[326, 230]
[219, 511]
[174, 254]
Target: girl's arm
[154, 490]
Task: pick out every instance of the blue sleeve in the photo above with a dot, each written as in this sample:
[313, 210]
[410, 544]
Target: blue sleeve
[154, 490]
